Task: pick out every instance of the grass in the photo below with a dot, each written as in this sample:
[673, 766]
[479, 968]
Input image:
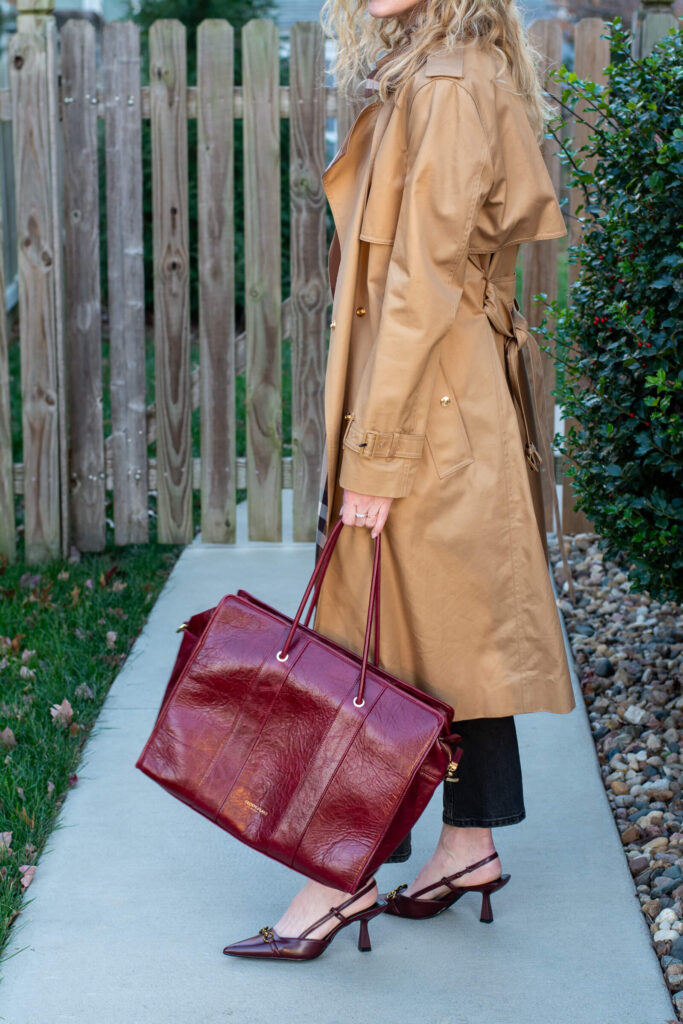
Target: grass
[65, 630]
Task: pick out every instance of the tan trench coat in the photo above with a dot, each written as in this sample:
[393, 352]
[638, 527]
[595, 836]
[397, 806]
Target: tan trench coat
[432, 192]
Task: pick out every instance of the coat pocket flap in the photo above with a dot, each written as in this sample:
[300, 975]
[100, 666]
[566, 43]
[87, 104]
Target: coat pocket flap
[446, 434]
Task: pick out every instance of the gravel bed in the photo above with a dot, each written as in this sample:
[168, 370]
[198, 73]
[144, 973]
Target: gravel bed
[628, 651]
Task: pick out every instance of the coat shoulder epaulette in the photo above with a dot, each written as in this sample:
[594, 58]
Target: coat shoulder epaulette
[446, 62]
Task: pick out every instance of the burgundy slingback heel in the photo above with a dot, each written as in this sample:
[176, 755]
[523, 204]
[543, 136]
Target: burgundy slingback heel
[416, 908]
[268, 945]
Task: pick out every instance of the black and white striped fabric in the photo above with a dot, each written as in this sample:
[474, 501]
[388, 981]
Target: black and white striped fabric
[320, 536]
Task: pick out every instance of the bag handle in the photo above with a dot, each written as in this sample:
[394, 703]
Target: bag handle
[327, 552]
[373, 606]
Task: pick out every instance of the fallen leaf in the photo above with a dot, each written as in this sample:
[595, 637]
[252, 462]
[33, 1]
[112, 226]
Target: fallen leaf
[106, 576]
[84, 691]
[3, 663]
[24, 817]
[26, 655]
[5, 842]
[20, 793]
[75, 593]
[7, 739]
[27, 673]
[50, 787]
[15, 643]
[63, 575]
[89, 584]
[111, 640]
[27, 873]
[5, 643]
[29, 579]
[62, 714]
[30, 851]
[75, 729]
[73, 779]
[118, 586]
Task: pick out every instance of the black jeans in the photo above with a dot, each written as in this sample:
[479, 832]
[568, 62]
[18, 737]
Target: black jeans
[489, 791]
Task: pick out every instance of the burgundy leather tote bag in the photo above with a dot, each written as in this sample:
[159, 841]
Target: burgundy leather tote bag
[295, 745]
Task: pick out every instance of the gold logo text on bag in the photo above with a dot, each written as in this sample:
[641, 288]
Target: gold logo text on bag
[255, 807]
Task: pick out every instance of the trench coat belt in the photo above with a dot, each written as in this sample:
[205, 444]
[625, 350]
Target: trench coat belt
[509, 321]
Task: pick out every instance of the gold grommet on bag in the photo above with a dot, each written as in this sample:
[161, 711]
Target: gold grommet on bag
[446, 400]
[279, 658]
[360, 311]
[356, 705]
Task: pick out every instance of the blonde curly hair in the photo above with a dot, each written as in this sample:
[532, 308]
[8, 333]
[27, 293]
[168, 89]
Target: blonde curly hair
[361, 38]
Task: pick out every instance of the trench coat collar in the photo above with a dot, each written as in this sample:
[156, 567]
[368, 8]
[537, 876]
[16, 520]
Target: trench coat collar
[340, 179]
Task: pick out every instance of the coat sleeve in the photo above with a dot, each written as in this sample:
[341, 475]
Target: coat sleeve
[446, 178]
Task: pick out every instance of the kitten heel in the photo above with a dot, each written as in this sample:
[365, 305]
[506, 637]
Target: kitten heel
[364, 943]
[486, 912]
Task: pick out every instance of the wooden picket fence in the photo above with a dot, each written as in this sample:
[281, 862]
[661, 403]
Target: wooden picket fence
[68, 465]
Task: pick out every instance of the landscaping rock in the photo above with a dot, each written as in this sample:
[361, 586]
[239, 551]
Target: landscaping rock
[628, 649]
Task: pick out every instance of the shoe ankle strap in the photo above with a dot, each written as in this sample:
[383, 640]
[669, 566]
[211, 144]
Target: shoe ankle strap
[336, 911]
[446, 880]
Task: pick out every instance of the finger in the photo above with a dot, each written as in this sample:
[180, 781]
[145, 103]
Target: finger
[347, 514]
[381, 520]
[370, 520]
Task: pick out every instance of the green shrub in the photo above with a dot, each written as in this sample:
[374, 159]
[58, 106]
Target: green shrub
[618, 343]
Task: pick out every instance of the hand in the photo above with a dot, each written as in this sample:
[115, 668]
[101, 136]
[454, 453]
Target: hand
[377, 511]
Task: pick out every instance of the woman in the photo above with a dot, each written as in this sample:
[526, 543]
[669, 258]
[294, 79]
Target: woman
[430, 433]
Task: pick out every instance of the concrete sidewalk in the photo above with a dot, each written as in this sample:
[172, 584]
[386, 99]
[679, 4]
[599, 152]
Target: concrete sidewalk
[136, 895]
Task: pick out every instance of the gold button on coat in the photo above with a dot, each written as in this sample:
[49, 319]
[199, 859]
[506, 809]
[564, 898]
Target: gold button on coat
[333, 323]
[360, 311]
[446, 400]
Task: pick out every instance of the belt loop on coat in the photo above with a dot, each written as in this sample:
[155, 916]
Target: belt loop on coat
[509, 321]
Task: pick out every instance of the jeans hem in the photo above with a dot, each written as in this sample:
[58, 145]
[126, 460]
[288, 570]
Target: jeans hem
[512, 819]
[398, 860]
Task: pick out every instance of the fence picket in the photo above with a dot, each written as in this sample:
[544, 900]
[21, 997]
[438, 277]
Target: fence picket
[82, 279]
[127, 443]
[216, 242]
[592, 55]
[34, 213]
[8, 548]
[540, 258]
[167, 72]
[260, 67]
[309, 283]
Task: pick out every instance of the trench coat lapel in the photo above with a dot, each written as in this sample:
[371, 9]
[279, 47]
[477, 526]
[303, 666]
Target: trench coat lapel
[346, 181]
